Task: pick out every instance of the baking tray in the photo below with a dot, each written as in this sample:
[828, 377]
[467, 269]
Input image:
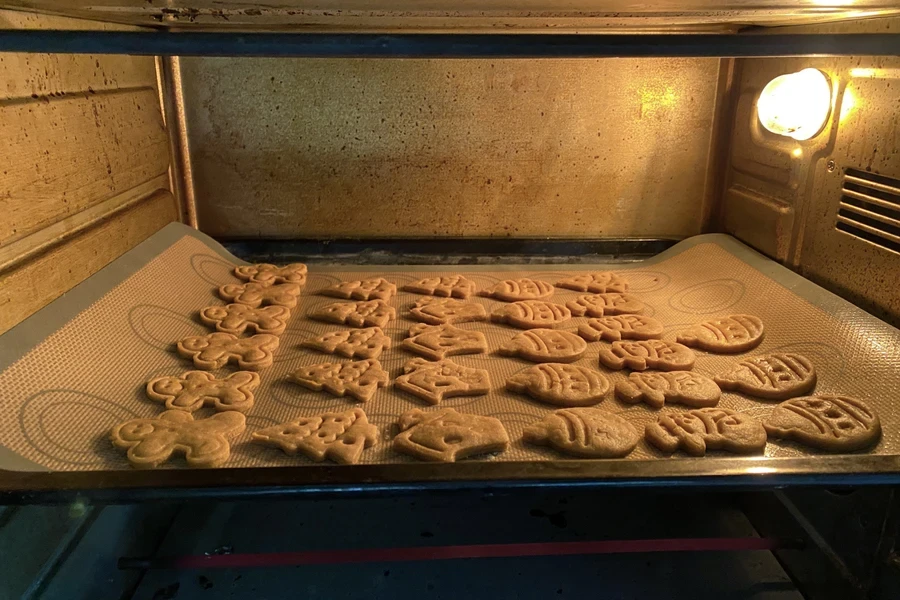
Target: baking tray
[76, 368]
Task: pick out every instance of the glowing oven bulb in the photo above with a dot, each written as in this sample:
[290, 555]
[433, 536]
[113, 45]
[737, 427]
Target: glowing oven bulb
[795, 105]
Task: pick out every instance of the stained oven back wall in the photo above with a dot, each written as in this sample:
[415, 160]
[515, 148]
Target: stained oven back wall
[293, 148]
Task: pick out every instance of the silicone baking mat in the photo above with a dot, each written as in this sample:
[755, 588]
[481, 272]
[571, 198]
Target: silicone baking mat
[78, 367]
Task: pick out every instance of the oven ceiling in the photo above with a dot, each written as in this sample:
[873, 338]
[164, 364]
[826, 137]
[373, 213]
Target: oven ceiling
[466, 15]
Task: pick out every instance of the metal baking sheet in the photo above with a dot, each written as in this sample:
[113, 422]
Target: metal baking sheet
[78, 367]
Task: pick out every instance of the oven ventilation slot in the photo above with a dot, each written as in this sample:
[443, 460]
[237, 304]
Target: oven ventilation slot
[870, 208]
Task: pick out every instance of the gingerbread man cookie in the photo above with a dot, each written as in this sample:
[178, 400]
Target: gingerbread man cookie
[595, 283]
[340, 437]
[445, 435]
[195, 389]
[377, 288]
[359, 379]
[215, 350]
[438, 311]
[257, 294]
[267, 274]
[456, 286]
[237, 318]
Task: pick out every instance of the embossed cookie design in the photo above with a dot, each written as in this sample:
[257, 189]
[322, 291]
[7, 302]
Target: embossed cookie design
[359, 379]
[584, 432]
[702, 429]
[595, 283]
[195, 389]
[598, 305]
[371, 313]
[532, 314]
[353, 343]
[267, 274]
[438, 311]
[621, 327]
[238, 318]
[204, 442]
[434, 381]
[545, 345]
[338, 436]
[736, 333]
[831, 423]
[512, 290]
[560, 384]
[438, 341]
[641, 355]
[445, 435]
[774, 377]
[215, 350]
[377, 288]
[257, 294]
[674, 387]
[456, 286]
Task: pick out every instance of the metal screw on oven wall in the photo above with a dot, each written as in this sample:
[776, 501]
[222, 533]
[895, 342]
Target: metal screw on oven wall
[831, 166]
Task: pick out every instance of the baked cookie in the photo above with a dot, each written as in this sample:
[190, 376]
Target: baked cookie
[621, 327]
[215, 350]
[831, 423]
[512, 290]
[584, 432]
[257, 294]
[267, 274]
[438, 311]
[353, 343]
[456, 286]
[340, 437]
[702, 429]
[674, 387]
[359, 379]
[598, 305]
[371, 313]
[596, 283]
[238, 318]
[736, 333]
[438, 341]
[196, 389]
[204, 442]
[532, 314]
[445, 435]
[545, 345]
[434, 381]
[773, 377]
[560, 384]
[377, 288]
[641, 355]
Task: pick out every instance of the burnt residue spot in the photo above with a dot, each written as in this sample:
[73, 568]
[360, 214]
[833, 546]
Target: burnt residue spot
[557, 519]
[167, 593]
[427, 534]
[204, 582]
[387, 573]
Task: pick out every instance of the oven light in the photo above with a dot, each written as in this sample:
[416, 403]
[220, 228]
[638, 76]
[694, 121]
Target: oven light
[795, 105]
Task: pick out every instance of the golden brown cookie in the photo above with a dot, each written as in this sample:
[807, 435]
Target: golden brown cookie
[215, 350]
[437, 311]
[560, 384]
[532, 314]
[238, 318]
[545, 345]
[445, 435]
[674, 387]
[434, 381]
[438, 341]
[598, 305]
[512, 290]
[377, 288]
[257, 294]
[702, 429]
[774, 377]
[456, 286]
[359, 379]
[641, 355]
[204, 442]
[830, 423]
[371, 313]
[736, 333]
[195, 389]
[267, 274]
[621, 327]
[584, 432]
[595, 283]
[353, 343]
[340, 437]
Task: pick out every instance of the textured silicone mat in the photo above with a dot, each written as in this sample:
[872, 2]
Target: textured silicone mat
[79, 367]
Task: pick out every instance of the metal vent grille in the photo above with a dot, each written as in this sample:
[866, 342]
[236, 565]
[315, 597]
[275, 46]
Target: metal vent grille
[870, 208]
